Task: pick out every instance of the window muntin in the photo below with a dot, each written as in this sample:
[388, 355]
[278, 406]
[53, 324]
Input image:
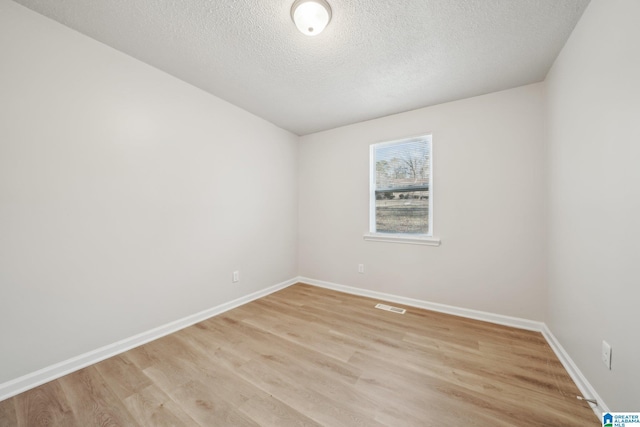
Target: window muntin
[401, 195]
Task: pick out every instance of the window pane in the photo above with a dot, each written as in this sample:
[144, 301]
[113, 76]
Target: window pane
[402, 174]
[402, 212]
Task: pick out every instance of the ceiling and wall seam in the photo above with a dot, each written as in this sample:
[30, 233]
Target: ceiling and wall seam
[376, 58]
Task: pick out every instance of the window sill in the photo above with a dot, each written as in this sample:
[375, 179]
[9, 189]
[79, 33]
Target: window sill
[409, 239]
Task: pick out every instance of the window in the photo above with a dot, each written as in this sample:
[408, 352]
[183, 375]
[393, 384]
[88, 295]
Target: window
[401, 202]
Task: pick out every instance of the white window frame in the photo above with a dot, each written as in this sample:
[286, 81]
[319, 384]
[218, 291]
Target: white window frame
[414, 239]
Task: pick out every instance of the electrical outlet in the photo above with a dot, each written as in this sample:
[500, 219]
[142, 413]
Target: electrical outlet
[606, 354]
[236, 277]
[361, 268]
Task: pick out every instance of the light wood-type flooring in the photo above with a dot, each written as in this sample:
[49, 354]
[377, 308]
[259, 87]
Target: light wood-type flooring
[307, 356]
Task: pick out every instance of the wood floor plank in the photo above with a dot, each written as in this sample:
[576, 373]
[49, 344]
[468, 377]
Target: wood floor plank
[151, 407]
[140, 357]
[92, 402]
[123, 377]
[307, 356]
[315, 337]
[207, 408]
[258, 343]
[8, 416]
[45, 405]
[271, 412]
[304, 399]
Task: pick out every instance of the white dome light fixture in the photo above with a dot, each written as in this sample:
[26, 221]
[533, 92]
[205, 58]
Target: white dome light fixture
[311, 16]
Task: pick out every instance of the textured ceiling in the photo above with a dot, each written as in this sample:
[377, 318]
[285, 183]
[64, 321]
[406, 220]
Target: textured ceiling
[376, 57]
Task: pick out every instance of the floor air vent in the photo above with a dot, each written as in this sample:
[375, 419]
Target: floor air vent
[389, 308]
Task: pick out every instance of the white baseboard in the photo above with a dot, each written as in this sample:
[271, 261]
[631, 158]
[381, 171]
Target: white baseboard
[34, 379]
[499, 319]
[576, 375]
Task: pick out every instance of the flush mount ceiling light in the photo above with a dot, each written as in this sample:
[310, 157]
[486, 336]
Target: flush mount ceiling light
[311, 16]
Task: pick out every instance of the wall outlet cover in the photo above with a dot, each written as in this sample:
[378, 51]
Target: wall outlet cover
[606, 354]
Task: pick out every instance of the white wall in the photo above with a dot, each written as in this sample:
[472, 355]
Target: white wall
[593, 94]
[127, 197]
[489, 193]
